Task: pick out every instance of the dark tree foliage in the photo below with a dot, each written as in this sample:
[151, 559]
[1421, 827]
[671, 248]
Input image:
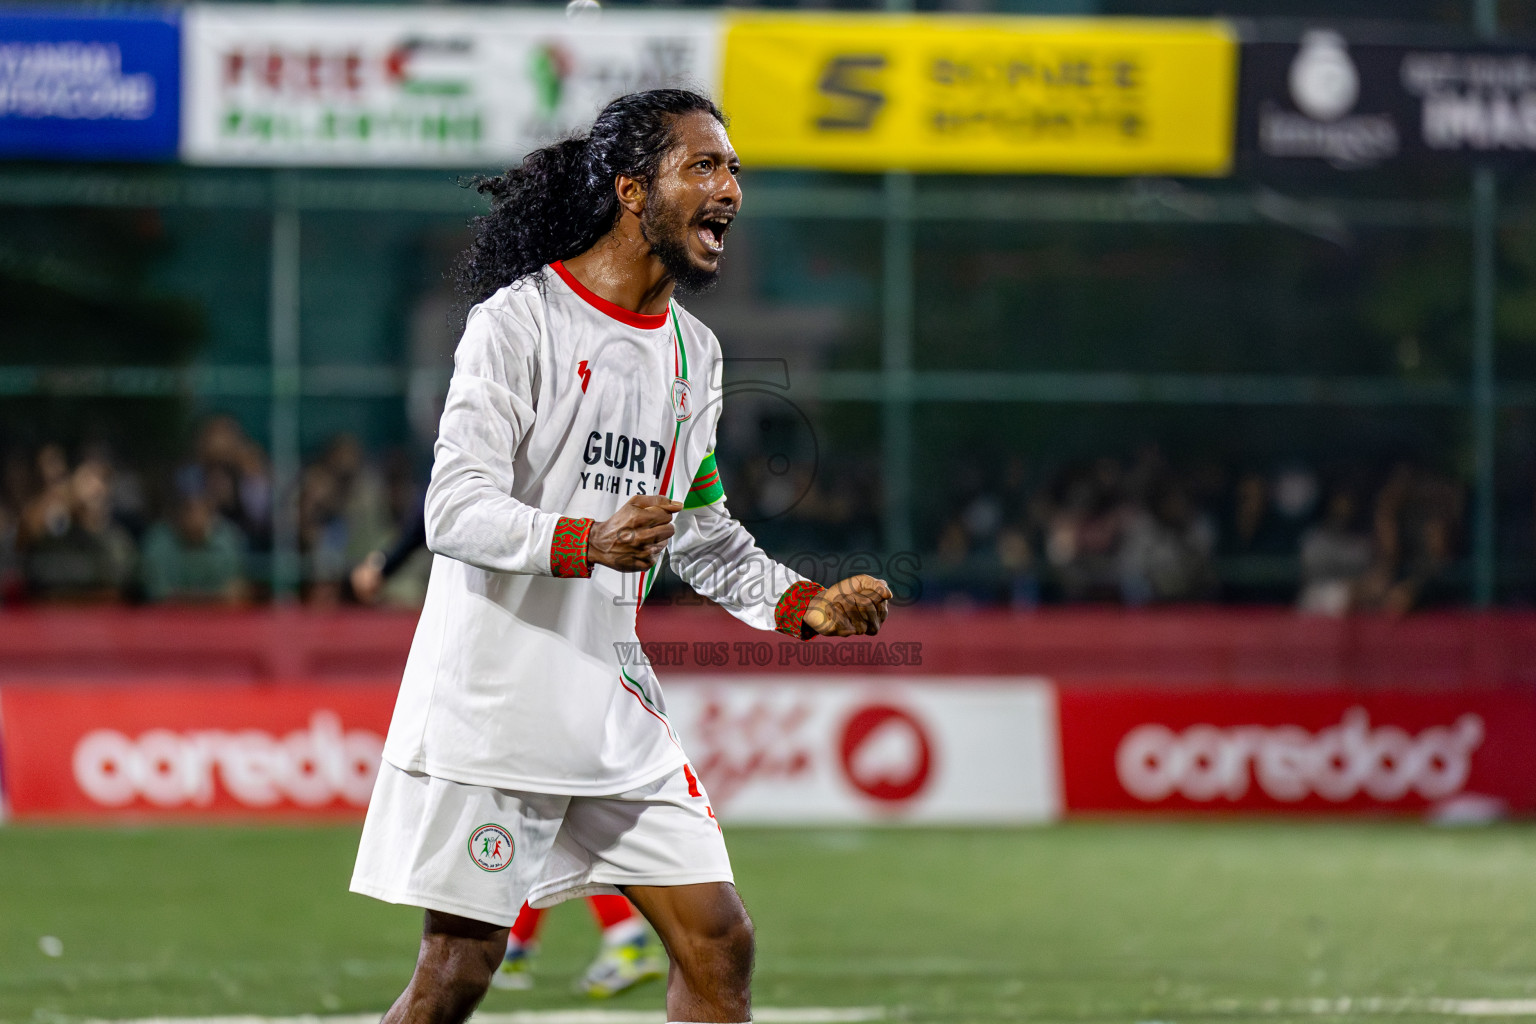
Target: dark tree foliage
[76, 290]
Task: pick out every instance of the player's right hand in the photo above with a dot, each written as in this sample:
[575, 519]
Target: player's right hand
[633, 539]
[368, 578]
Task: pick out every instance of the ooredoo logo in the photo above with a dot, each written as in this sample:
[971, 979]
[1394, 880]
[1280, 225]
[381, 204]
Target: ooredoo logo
[886, 753]
[490, 847]
[310, 767]
[1206, 762]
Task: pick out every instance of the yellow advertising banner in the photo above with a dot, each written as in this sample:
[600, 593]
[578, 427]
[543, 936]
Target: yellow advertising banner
[983, 94]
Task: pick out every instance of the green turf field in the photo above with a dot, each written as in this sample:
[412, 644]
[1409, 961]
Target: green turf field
[1088, 922]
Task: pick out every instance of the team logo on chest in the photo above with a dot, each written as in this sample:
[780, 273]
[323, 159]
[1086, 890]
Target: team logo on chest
[490, 847]
[682, 399]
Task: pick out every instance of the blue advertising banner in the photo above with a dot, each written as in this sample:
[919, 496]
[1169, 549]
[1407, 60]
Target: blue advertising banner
[87, 87]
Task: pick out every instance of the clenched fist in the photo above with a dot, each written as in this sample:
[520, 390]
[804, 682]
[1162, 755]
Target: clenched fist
[635, 536]
[853, 607]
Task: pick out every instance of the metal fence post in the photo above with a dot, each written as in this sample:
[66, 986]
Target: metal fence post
[1485, 199]
[283, 411]
[1484, 409]
[896, 362]
[896, 351]
[1485, 17]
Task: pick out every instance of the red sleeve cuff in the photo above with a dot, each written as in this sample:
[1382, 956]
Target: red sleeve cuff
[789, 613]
[568, 552]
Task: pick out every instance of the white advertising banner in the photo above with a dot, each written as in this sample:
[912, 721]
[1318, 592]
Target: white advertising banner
[417, 86]
[846, 749]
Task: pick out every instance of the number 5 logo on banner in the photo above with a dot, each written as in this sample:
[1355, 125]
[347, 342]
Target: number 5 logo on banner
[851, 88]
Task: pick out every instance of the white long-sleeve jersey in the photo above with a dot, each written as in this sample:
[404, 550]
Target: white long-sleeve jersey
[522, 673]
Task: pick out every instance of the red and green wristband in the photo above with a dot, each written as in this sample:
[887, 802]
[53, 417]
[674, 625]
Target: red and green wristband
[568, 559]
[568, 551]
[789, 613]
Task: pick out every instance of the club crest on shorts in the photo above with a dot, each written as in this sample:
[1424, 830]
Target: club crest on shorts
[490, 847]
[682, 399]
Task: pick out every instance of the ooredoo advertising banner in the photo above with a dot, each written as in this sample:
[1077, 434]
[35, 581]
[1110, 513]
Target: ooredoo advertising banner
[1328, 99]
[770, 750]
[1218, 751]
[98, 750]
[840, 748]
[83, 87]
[989, 94]
[807, 749]
[369, 86]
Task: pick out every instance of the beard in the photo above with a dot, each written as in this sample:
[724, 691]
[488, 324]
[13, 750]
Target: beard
[666, 228]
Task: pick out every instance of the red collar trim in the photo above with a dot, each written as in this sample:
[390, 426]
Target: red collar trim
[645, 321]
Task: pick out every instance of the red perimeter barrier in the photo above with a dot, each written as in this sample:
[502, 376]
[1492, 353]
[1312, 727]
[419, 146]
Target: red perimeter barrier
[1471, 753]
[93, 749]
[106, 750]
[1187, 710]
[1260, 649]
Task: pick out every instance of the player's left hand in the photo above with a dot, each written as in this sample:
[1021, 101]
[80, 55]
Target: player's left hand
[852, 607]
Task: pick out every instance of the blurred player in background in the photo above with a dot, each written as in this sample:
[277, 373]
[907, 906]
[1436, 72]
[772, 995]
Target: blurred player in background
[626, 959]
[526, 760]
[369, 576]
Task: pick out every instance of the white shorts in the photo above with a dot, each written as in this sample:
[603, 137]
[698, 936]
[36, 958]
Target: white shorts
[481, 852]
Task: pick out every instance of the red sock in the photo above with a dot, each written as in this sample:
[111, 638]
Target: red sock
[609, 910]
[527, 925]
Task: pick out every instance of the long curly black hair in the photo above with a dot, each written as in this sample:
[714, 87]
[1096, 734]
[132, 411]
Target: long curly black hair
[562, 200]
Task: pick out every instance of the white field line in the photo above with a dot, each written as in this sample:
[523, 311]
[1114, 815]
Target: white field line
[764, 1015]
[1376, 1006]
[1491, 1007]
[1456, 1007]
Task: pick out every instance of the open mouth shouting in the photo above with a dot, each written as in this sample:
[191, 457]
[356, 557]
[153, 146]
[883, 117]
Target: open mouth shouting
[712, 228]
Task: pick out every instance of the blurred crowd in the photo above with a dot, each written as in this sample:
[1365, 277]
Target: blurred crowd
[85, 527]
[95, 529]
[1141, 531]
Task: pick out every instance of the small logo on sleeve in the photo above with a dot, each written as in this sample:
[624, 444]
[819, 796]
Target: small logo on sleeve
[490, 847]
